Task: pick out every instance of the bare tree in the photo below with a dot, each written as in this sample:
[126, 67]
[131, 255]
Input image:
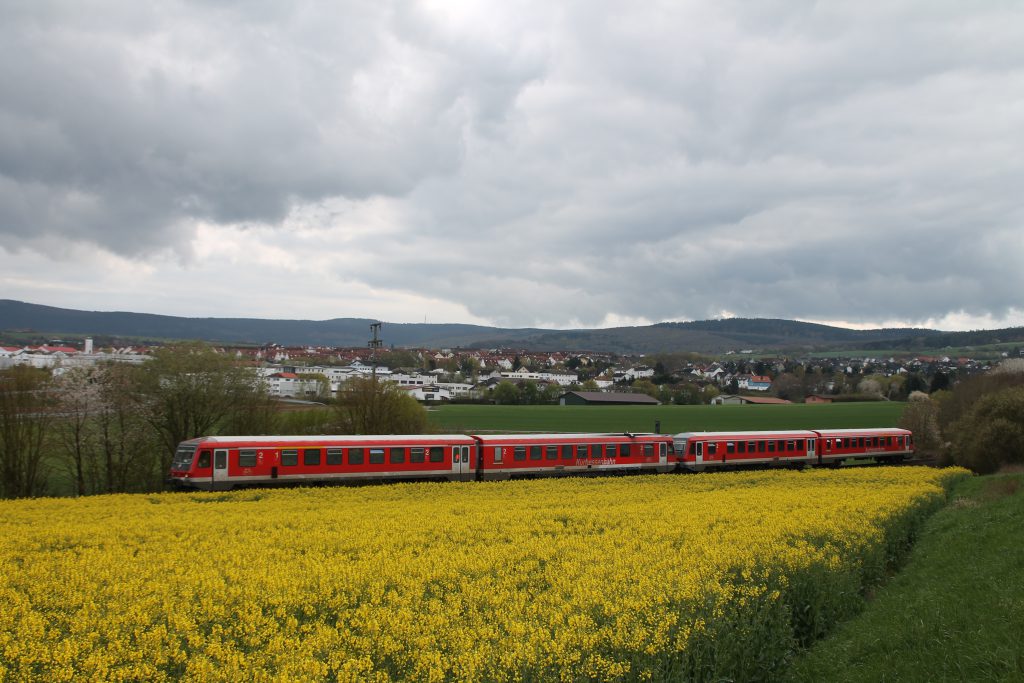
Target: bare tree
[26, 412]
[78, 400]
[189, 390]
[370, 407]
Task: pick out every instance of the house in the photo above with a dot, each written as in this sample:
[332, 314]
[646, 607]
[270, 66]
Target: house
[428, 392]
[591, 398]
[817, 398]
[731, 399]
[758, 383]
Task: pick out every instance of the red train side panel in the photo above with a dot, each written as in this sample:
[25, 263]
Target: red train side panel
[836, 445]
[225, 461]
[516, 455]
[698, 451]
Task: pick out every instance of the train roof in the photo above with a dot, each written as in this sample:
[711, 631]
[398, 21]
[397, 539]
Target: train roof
[342, 438]
[792, 432]
[584, 436]
[865, 430]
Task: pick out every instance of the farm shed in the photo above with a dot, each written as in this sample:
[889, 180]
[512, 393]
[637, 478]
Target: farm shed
[730, 399]
[600, 398]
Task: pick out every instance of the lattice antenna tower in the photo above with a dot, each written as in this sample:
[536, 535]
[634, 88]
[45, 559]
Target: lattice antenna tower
[374, 344]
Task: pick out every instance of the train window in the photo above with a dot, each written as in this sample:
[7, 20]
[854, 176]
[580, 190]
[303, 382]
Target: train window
[311, 456]
[535, 453]
[771, 446]
[551, 452]
[730, 446]
[741, 446]
[761, 446]
[791, 445]
[376, 456]
[799, 444]
[609, 451]
[782, 445]
[712, 448]
[519, 453]
[355, 456]
[497, 454]
[648, 449]
[397, 455]
[247, 457]
[417, 454]
[595, 451]
[333, 456]
[289, 458]
[752, 446]
[693, 448]
[204, 460]
[436, 454]
[567, 452]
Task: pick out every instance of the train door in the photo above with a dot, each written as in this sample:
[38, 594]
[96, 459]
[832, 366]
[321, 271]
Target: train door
[220, 467]
[663, 454]
[811, 446]
[461, 467]
[700, 452]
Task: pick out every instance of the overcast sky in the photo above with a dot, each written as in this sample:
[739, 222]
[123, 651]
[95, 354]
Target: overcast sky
[555, 164]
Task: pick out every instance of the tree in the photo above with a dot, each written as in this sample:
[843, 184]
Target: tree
[687, 394]
[645, 386]
[734, 386]
[367, 406]
[992, 433]
[530, 393]
[506, 393]
[551, 392]
[590, 385]
[188, 390]
[921, 417]
[940, 381]
[78, 400]
[128, 446]
[869, 385]
[789, 387]
[25, 417]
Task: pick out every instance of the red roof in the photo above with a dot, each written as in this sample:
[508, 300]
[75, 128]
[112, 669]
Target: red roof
[285, 375]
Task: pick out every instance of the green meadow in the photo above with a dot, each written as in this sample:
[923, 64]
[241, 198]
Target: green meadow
[673, 419]
[955, 612]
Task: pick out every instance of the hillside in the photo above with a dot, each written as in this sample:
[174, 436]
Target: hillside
[708, 336]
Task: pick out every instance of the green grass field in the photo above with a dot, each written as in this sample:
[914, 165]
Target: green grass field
[956, 610]
[674, 419]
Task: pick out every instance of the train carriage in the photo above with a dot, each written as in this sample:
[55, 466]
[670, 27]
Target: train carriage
[698, 451]
[883, 444]
[505, 456]
[223, 462]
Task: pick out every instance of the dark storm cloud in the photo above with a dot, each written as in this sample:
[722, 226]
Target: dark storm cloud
[554, 163]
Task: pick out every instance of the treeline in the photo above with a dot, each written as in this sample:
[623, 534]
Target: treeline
[114, 428]
[979, 423]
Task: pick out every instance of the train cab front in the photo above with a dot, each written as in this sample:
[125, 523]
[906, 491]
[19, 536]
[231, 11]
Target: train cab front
[190, 468]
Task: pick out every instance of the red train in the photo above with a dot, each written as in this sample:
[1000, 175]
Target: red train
[222, 462]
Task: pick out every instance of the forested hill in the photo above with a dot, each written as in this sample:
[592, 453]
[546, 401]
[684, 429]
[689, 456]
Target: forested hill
[708, 336]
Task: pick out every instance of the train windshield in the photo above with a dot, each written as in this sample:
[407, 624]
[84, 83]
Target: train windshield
[183, 457]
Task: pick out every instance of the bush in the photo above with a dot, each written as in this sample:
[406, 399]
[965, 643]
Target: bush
[991, 434]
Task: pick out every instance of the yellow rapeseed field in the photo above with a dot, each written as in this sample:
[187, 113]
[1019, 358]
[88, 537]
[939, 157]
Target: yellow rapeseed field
[629, 578]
